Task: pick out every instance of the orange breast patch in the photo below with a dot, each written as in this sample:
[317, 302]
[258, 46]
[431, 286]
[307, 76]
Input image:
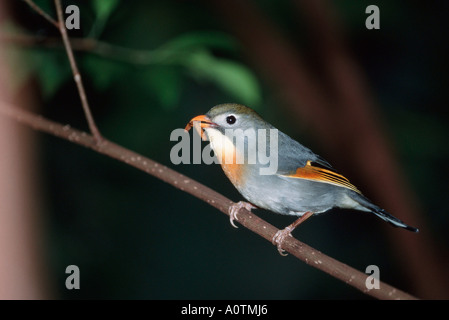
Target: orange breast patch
[232, 170]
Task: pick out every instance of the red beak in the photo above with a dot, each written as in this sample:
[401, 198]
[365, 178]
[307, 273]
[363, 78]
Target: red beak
[200, 122]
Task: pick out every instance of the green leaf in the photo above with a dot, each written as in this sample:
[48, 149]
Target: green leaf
[176, 50]
[232, 77]
[104, 8]
[102, 72]
[201, 39]
[164, 83]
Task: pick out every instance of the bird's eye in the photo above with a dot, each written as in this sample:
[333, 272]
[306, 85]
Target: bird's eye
[231, 119]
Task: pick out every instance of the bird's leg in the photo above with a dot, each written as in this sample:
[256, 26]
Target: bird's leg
[280, 236]
[235, 208]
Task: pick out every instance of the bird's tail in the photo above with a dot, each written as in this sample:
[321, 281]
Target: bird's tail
[381, 213]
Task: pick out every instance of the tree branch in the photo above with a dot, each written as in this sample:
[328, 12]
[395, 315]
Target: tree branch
[38, 10]
[90, 45]
[76, 74]
[60, 25]
[248, 219]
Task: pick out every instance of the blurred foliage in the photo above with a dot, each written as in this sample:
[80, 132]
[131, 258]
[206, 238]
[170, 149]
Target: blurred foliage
[135, 237]
[163, 69]
[103, 10]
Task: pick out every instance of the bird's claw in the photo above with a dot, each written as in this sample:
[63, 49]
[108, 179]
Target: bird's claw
[279, 238]
[235, 208]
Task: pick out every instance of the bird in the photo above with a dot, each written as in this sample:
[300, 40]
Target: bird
[304, 184]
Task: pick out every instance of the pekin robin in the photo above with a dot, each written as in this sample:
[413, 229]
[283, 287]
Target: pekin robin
[303, 183]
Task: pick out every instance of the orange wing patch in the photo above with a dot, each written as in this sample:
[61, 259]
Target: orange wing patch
[310, 172]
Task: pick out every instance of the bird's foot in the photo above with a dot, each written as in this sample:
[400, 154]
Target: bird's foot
[235, 208]
[279, 238]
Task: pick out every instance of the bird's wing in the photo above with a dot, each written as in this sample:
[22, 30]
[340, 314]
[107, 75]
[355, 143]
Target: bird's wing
[316, 172]
[299, 162]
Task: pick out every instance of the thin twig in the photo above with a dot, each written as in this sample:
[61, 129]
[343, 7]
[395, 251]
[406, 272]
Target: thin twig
[76, 74]
[60, 25]
[94, 46]
[248, 219]
[38, 10]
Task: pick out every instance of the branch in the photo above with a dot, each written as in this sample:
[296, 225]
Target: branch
[60, 25]
[248, 219]
[93, 46]
[76, 74]
[38, 10]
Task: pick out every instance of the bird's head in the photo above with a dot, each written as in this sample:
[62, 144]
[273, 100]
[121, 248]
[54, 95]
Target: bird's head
[228, 116]
[231, 129]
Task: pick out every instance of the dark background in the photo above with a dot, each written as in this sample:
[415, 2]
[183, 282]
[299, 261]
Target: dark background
[135, 237]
